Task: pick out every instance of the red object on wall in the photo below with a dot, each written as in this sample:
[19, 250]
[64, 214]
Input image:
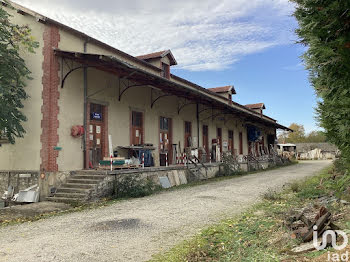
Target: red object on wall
[77, 131]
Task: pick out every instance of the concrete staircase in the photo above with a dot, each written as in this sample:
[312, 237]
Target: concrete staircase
[77, 187]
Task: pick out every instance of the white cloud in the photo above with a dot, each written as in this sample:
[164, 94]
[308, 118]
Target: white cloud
[203, 35]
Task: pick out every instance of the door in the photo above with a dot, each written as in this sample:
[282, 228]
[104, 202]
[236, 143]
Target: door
[165, 140]
[206, 141]
[136, 128]
[240, 143]
[95, 135]
[188, 134]
[231, 142]
[219, 137]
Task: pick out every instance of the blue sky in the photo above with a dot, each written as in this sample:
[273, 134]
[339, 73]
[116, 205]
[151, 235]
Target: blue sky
[248, 44]
[275, 77]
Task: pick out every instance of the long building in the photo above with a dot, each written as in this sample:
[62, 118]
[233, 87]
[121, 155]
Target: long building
[86, 95]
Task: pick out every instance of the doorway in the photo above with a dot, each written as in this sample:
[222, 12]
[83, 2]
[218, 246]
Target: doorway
[206, 141]
[96, 134]
[188, 134]
[165, 140]
[231, 142]
[137, 134]
[219, 137]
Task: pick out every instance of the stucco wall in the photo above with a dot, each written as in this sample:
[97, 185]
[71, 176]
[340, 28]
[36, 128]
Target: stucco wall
[25, 153]
[139, 99]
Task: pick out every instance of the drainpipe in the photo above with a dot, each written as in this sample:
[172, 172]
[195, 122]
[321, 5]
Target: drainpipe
[197, 117]
[85, 108]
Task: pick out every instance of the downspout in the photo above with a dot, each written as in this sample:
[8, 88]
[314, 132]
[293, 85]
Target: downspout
[197, 117]
[86, 165]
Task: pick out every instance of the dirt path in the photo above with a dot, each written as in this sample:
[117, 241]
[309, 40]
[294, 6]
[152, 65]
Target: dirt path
[134, 230]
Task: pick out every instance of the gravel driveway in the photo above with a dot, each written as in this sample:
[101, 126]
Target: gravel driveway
[133, 230]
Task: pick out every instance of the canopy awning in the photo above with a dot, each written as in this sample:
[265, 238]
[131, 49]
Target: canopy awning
[197, 94]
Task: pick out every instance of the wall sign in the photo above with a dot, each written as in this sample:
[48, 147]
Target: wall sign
[96, 116]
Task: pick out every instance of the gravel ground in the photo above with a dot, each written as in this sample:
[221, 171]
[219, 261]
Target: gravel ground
[135, 229]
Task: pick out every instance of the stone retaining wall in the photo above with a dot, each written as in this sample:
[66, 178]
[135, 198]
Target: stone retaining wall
[177, 176]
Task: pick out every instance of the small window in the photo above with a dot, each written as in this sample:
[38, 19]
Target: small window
[137, 119]
[164, 123]
[165, 70]
[96, 112]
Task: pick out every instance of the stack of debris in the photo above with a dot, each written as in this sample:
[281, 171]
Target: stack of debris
[304, 222]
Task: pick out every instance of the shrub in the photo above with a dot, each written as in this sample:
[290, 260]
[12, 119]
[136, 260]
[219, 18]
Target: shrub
[271, 195]
[295, 186]
[133, 186]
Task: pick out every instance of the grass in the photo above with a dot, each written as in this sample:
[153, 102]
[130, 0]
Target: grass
[259, 234]
[78, 207]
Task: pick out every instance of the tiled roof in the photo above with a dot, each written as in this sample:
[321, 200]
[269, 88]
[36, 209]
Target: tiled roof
[159, 54]
[222, 89]
[152, 55]
[256, 106]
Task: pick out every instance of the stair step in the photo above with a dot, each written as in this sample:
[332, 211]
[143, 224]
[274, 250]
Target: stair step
[70, 195]
[72, 190]
[81, 186]
[82, 181]
[89, 177]
[63, 199]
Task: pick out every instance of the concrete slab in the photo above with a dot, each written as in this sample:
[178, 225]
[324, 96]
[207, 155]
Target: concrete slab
[164, 181]
[176, 177]
[170, 175]
[182, 178]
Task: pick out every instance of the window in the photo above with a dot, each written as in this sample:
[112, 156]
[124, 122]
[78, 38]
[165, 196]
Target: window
[136, 119]
[164, 123]
[165, 70]
[96, 112]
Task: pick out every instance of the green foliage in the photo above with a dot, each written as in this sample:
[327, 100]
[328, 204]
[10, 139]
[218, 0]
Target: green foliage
[299, 136]
[133, 186]
[14, 40]
[260, 234]
[271, 195]
[324, 27]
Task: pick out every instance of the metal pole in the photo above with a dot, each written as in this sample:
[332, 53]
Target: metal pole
[197, 116]
[86, 165]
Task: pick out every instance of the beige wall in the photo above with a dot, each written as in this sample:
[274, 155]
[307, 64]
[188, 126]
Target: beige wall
[137, 98]
[25, 153]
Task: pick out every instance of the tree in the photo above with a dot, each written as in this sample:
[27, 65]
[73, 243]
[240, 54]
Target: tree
[324, 27]
[14, 73]
[316, 137]
[297, 136]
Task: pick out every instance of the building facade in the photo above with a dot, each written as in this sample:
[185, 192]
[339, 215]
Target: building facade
[79, 81]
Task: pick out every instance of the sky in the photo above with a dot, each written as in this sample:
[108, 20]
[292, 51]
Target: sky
[248, 44]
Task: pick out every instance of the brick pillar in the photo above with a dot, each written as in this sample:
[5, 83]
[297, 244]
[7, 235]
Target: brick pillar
[50, 95]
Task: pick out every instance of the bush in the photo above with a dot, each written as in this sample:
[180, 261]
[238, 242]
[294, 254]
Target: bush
[295, 186]
[271, 195]
[133, 186]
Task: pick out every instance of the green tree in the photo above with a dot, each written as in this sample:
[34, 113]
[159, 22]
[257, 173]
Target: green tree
[297, 136]
[324, 27]
[14, 73]
[315, 137]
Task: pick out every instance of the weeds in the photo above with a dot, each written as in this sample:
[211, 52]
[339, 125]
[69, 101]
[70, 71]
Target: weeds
[295, 186]
[259, 234]
[271, 195]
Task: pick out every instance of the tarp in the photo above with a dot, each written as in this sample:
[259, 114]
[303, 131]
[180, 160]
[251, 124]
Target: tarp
[253, 133]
